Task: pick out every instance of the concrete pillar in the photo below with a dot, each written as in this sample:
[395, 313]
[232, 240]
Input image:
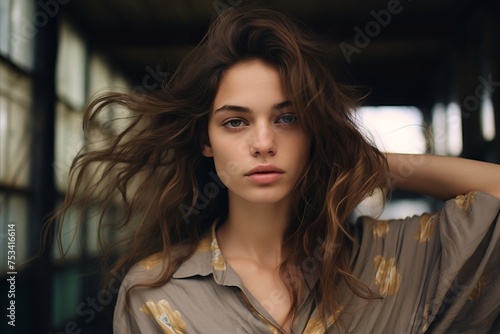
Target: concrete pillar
[43, 192]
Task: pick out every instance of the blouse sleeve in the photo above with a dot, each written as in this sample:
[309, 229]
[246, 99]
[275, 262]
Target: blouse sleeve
[467, 296]
[440, 271]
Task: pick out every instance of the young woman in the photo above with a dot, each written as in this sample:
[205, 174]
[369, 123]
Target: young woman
[239, 178]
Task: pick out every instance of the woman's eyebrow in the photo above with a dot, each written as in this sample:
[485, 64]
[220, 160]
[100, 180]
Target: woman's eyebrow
[233, 108]
[282, 105]
[229, 107]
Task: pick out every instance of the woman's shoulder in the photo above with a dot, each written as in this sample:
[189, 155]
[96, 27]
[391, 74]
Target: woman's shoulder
[142, 293]
[146, 270]
[150, 263]
[152, 267]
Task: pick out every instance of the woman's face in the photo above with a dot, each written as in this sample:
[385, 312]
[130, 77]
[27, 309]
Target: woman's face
[258, 145]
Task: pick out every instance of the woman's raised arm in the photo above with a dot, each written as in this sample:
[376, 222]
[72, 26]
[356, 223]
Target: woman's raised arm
[442, 177]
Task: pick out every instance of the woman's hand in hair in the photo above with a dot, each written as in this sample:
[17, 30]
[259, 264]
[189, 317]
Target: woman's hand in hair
[442, 177]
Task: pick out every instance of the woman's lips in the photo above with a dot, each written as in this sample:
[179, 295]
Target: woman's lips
[265, 177]
[264, 174]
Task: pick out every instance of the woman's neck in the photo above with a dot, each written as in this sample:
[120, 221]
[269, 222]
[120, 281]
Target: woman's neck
[255, 232]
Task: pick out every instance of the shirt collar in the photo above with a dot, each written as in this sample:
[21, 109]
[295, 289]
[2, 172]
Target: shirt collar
[208, 260]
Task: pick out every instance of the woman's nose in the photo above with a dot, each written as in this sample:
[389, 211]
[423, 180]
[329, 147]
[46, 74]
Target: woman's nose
[263, 142]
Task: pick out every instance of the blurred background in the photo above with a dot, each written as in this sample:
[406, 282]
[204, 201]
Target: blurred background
[432, 69]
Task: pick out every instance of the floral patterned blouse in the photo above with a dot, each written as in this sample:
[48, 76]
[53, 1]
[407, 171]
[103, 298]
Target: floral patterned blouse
[437, 273]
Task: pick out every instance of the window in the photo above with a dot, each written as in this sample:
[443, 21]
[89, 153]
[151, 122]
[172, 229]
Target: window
[18, 28]
[397, 130]
[75, 77]
[447, 129]
[15, 107]
[439, 129]
[70, 90]
[80, 75]
[454, 135]
[71, 68]
[15, 146]
[487, 117]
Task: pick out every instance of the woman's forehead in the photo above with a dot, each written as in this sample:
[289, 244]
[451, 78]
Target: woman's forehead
[250, 83]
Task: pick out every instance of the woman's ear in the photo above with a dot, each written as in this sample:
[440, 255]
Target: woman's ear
[207, 150]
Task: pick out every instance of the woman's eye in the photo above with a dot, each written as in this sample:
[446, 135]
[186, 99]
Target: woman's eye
[287, 119]
[233, 123]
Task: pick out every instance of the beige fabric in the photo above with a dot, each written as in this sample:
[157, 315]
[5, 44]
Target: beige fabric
[436, 273]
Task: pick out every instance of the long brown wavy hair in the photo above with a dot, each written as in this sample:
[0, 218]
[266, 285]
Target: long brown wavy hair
[151, 166]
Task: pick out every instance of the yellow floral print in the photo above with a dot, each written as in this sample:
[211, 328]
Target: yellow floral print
[204, 245]
[464, 201]
[169, 320]
[380, 228]
[428, 225]
[151, 261]
[479, 287]
[218, 261]
[387, 276]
